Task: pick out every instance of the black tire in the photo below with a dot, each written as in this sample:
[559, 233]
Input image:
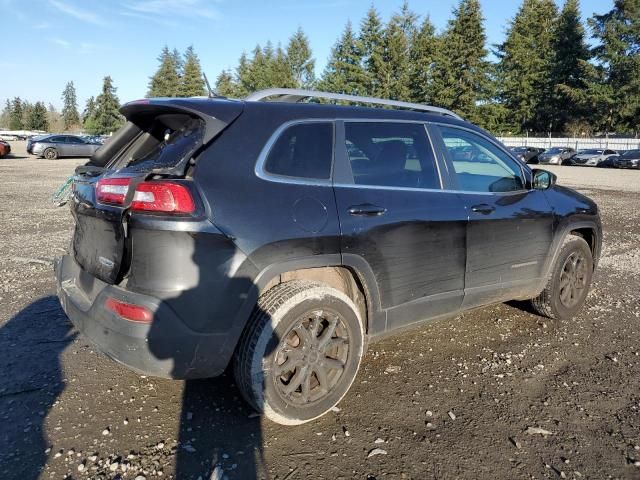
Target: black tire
[568, 286]
[300, 332]
[50, 153]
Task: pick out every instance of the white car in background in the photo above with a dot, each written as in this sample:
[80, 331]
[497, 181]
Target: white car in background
[591, 157]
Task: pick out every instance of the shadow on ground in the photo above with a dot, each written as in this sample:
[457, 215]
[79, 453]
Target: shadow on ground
[30, 382]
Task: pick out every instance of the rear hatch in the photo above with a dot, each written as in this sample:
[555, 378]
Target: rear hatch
[158, 146]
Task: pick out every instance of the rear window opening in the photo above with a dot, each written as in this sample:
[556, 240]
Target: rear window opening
[164, 142]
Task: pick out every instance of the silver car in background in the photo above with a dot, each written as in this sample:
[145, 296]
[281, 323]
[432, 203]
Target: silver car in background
[54, 146]
[591, 157]
[556, 155]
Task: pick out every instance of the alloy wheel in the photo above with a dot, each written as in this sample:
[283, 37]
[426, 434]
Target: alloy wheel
[573, 279]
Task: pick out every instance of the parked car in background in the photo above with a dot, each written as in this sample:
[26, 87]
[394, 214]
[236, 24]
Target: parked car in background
[527, 154]
[284, 237]
[54, 146]
[556, 155]
[628, 159]
[5, 149]
[591, 157]
[32, 139]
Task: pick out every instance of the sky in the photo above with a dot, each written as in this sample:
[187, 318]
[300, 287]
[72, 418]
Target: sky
[46, 43]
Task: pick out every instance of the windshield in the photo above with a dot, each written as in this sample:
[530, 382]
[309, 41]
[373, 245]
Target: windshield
[554, 150]
[631, 154]
[590, 151]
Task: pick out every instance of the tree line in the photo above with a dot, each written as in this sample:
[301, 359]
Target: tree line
[545, 77]
[100, 116]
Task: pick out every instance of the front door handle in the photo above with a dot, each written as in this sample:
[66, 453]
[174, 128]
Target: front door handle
[366, 210]
[483, 208]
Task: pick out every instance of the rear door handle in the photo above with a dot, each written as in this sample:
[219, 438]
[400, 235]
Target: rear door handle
[366, 210]
[483, 208]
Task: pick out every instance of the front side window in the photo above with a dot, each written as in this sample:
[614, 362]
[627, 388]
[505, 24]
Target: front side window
[391, 154]
[304, 150]
[479, 165]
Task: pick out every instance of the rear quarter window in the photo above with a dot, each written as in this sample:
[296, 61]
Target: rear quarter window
[303, 150]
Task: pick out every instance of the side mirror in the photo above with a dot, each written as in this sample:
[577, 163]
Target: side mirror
[542, 179]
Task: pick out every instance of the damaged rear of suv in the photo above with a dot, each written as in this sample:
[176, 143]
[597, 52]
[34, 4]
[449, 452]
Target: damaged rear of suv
[281, 237]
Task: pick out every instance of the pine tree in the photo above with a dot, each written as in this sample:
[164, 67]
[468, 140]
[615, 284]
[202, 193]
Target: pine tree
[226, 85]
[394, 82]
[106, 118]
[526, 57]
[192, 82]
[38, 117]
[344, 72]
[300, 60]
[166, 81]
[16, 121]
[617, 101]
[280, 73]
[89, 109]
[70, 107]
[461, 71]
[569, 68]
[372, 39]
[421, 57]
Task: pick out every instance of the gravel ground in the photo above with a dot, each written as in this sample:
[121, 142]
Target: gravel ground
[494, 393]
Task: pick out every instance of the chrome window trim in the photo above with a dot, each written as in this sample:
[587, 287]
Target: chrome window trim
[262, 173]
[521, 167]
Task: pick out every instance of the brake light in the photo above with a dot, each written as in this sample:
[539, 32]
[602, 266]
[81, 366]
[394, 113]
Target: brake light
[129, 311]
[112, 190]
[162, 196]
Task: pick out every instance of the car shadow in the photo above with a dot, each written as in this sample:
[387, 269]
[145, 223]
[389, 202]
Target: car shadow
[31, 380]
[220, 436]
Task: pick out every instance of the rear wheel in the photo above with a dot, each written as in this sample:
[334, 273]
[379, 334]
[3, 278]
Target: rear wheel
[569, 283]
[300, 353]
[50, 154]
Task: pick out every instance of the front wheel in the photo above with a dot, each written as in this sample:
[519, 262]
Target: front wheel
[569, 283]
[300, 352]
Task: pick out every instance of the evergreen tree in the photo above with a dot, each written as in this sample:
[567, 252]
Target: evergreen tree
[461, 71]
[372, 39]
[70, 107]
[166, 81]
[280, 73]
[89, 109]
[226, 85]
[344, 72]
[394, 82]
[192, 80]
[526, 57]
[106, 118]
[38, 117]
[614, 89]
[16, 120]
[568, 72]
[421, 57]
[300, 60]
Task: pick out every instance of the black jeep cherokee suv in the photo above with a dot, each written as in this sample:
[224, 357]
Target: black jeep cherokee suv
[286, 235]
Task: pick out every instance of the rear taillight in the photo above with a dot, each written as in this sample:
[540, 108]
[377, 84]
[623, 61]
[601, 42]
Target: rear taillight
[129, 311]
[112, 191]
[162, 196]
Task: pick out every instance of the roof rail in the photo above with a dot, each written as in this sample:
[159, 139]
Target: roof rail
[294, 95]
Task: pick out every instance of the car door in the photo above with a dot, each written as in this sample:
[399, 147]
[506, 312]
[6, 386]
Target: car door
[395, 216]
[77, 147]
[510, 226]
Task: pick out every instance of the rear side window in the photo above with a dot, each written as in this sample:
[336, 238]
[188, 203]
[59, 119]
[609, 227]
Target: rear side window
[479, 165]
[391, 154]
[304, 150]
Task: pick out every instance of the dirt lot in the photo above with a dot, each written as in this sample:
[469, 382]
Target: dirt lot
[452, 399]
